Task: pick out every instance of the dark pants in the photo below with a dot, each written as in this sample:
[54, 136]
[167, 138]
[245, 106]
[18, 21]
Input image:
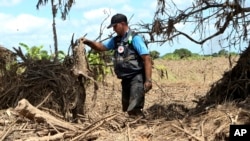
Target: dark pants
[133, 96]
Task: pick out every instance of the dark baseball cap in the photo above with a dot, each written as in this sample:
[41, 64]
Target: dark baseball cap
[117, 18]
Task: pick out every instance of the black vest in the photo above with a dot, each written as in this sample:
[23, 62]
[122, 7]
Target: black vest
[127, 62]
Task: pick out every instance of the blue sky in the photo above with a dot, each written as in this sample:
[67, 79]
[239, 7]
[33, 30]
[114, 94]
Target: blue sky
[22, 22]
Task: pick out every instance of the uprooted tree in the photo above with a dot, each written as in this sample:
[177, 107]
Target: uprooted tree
[225, 19]
[55, 85]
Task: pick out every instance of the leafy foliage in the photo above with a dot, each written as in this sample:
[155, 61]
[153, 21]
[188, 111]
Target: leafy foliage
[36, 53]
[162, 70]
[63, 6]
[183, 53]
[98, 63]
[225, 53]
[154, 54]
[170, 56]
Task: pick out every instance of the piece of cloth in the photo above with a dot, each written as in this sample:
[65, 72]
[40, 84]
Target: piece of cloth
[133, 95]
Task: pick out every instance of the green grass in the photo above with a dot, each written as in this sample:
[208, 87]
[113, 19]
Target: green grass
[172, 56]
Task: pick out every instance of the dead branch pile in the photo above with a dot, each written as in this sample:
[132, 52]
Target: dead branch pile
[26, 122]
[48, 127]
[233, 86]
[40, 82]
[6, 56]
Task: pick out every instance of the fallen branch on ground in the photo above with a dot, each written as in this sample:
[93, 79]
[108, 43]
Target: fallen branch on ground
[27, 110]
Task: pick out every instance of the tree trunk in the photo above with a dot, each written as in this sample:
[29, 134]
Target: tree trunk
[82, 72]
[54, 11]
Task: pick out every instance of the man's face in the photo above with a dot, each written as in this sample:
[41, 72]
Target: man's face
[118, 28]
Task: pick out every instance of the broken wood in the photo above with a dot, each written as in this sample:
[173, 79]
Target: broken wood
[27, 110]
[82, 72]
[58, 136]
[81, 66]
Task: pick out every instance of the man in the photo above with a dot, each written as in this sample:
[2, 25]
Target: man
[132, 64]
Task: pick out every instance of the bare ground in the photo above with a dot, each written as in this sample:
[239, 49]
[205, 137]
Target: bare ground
[166, 108]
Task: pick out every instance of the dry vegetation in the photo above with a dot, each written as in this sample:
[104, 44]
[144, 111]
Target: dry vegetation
[169, 109]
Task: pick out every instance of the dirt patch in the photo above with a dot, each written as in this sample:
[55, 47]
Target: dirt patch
[167, 110]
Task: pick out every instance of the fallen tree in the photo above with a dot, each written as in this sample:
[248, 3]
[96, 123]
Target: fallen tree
[63, 83]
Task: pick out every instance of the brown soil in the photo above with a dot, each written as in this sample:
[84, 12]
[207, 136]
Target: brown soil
[166, 108]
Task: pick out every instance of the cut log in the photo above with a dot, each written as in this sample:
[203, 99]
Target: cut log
[24, 108]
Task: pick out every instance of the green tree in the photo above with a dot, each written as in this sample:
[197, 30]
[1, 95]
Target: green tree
[183, 53]
[64, 6]
[154, 54]
[223, 52]
[215, 55]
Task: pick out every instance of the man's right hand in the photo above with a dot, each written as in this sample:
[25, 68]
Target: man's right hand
[94, 45]
[82, 39]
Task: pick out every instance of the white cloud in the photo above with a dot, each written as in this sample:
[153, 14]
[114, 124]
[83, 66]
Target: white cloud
[25, 28]
[96, 14]
[183, 4]
[22, 23]
[140, 11]
[127, 8]
[3, 17]
[86, 4]
[9, 2]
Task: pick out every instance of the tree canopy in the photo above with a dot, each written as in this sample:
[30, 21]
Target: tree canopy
[63, 5]
[228, 19]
